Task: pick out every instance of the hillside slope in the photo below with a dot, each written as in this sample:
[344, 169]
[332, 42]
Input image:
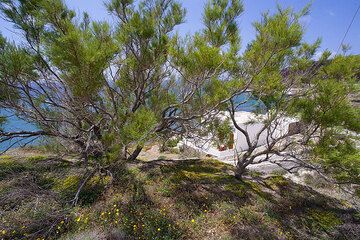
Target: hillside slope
[163, 199]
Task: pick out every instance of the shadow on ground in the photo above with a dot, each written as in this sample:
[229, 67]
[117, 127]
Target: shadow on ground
[163, 200]
[254, 208]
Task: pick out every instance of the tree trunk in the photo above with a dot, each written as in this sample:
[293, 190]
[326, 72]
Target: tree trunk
[239, 171]
[135, 154]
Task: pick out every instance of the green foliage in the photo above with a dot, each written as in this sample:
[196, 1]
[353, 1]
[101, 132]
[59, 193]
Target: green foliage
[340, 157]
[221, 29]
[277, 181]
[68, 186]
[216, 91]
[16, 64]
[329, 105]
[222, 132]
[110, 88]
[276, 37]
[213, 51]
[323, 219]
[71, 61]
[195, 55]
[90, 50]
[237, 188]
[139, 126]
[169, 144]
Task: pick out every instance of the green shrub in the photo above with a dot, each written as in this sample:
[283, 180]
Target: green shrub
[237, 188]
[276, 181]
[322, 219]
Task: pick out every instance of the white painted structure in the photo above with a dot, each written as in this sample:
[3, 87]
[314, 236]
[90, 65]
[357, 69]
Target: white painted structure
[252, 123]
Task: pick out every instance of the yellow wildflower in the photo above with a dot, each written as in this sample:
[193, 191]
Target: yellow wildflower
[78, 219]
[3, 232]
[192, 220]
[159, 229]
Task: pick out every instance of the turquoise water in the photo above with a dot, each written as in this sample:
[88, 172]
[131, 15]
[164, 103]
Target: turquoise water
[251, 103]
[13, 123]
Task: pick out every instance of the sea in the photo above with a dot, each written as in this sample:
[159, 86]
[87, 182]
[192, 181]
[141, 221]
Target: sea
[14, 123]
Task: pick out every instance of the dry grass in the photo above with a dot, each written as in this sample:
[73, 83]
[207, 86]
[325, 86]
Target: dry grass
[164, 200]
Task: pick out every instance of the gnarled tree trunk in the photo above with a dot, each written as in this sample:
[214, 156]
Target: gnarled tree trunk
[240, 170]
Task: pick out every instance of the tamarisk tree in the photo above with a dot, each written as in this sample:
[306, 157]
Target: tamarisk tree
[299, 101]
[279, 69]
[106, 89]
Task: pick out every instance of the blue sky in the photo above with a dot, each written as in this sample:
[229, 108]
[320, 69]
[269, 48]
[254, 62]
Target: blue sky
[328, 19]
